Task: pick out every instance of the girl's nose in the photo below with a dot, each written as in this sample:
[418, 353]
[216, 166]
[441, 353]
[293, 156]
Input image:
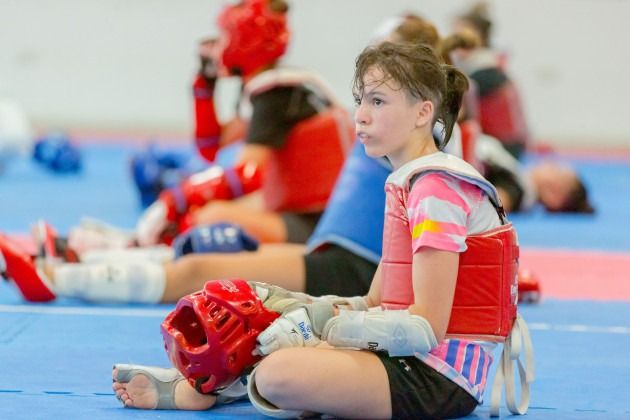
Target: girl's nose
[360, 116]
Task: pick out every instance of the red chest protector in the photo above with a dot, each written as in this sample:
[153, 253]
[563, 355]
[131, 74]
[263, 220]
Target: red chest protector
[501, 115]
[484, 306]
[300, 176]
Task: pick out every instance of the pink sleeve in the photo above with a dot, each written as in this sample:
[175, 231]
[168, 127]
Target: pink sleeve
[438, 209]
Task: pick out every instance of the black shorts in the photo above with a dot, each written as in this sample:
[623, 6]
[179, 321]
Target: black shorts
[420, 392]
[333, 270]
[300, 226]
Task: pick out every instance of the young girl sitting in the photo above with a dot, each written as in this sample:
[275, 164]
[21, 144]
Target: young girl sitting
[423, 350]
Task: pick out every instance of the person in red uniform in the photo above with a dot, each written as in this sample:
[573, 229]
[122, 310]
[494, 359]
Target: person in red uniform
[296, 137]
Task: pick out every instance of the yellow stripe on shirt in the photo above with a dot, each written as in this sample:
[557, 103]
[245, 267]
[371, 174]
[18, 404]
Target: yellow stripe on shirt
[426, 226]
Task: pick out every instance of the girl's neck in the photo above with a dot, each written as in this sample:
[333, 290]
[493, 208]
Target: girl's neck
[414, 150]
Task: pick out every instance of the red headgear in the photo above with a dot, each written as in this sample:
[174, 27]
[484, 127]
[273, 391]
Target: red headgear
[255, 35]
[211, 334]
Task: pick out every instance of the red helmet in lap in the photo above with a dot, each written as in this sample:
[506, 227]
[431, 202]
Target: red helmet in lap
[256, 36]
[211, 334]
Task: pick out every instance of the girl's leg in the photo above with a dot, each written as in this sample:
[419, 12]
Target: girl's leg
[265, 226]
[342, 383]
[279, 264]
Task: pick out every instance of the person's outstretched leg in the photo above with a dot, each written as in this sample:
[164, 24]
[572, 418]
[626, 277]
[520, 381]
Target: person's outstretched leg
[279, 264]
[150, 388]
[148, 281]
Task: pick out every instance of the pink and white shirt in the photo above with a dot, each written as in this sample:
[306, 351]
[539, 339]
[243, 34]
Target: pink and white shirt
[441, 210]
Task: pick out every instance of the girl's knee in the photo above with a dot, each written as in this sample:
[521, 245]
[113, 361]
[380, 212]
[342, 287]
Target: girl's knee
[273, 378]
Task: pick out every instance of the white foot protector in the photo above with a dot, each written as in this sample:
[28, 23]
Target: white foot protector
[164, 380]
[95, 234]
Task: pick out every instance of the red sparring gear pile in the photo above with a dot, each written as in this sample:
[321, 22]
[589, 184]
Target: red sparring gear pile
[528, 287]
[211, 334]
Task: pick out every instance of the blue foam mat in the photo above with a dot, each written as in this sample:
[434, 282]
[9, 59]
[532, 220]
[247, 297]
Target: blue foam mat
[69, 350]
[58, 364]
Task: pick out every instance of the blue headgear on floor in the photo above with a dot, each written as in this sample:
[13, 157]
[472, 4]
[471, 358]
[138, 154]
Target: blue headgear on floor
[58, 153]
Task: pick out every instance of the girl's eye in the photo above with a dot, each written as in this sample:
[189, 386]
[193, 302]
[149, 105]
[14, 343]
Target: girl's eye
[357, 100]
[377, 101]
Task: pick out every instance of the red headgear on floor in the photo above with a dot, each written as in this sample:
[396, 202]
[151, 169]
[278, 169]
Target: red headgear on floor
[211, 334]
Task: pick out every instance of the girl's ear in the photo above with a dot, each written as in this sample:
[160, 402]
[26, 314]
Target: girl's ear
[425, 113]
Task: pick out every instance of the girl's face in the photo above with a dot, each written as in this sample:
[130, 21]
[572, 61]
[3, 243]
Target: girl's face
[389, 123]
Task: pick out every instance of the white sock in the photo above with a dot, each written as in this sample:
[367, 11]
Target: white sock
[140, 282]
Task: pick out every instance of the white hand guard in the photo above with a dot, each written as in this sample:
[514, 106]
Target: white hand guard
[299, 326]
[151, 224]
[276, 298]
[397, 332]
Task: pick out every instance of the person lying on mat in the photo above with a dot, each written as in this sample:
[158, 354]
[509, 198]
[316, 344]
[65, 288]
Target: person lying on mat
[442, 220]
[554, 185]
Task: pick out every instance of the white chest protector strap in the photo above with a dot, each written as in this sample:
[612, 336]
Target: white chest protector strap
[396, 331]
[518, 341]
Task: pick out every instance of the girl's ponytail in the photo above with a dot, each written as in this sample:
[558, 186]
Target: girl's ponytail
[456, 86]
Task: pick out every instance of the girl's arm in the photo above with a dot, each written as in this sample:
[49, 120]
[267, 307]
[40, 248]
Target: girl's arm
[373, 297]
[404, 332]
[434, 274]
[254, 153]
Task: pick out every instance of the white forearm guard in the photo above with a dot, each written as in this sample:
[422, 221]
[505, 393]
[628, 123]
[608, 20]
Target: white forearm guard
[356, 303]
[397, 332]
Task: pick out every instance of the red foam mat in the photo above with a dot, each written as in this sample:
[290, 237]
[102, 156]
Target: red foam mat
[591, 275]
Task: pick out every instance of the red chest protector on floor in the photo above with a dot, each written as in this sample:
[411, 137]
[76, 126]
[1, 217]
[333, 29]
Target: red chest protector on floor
[484, 305]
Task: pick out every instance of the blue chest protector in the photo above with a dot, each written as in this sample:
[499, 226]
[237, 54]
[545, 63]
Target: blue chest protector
[354, 215]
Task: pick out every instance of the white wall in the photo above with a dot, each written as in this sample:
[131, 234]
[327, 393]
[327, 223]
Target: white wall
[127, 64]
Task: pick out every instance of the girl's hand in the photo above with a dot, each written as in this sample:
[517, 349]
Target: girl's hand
[300, 325]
